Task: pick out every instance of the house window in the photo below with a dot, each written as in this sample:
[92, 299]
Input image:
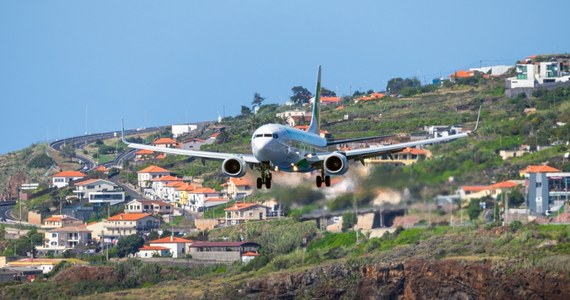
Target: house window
[539, 184]
[54, 235]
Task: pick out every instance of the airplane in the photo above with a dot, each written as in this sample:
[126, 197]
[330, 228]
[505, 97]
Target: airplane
[277, 147]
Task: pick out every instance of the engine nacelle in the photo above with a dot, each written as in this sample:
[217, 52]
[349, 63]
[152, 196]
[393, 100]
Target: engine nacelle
[336, 164]
[234, 167]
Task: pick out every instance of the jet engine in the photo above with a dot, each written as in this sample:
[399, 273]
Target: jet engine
[234, 167]
[336, 164]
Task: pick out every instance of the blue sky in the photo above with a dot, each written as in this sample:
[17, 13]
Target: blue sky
[67, 67]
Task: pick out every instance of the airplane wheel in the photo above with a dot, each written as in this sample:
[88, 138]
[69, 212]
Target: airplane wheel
[319, 181]
[327, 180]
[268, 183]
[259, 183]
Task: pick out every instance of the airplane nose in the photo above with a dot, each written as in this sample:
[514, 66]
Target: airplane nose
[262, 149]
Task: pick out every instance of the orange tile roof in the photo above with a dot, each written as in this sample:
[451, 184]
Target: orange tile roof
[461, 74]
[504, 185]
[539, 169]
[185, 187]
[153, 248]
[239, 181]
[175, 184]
[59, 218]
[170, 239]
[144, 152]
[164, 141]
[250, 253]
[241, 205]
[102, 169]
[128, 217]
[69, 174]
[160, 156]
[330, 99]
[373, 96]
[415, 151]
[215, 134]
[167, 178]
[339, 108]
[204, 190]
[475, 188]
[86, 182]
[154, 169]
[216, 200]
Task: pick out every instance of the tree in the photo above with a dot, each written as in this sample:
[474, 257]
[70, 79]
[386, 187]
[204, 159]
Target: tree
[396, 85]
[327, 93]
[300, 95]
[348, 220]
[68, 150]
[129, 245]
[245, 111]
[257, 100]
[474, 209]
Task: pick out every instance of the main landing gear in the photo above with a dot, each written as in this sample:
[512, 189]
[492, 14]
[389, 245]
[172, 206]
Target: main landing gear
[265, 178]
[323, 178]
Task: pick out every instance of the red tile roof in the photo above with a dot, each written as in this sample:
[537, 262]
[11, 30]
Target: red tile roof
[164, 141]
[59, 218]
[250, 253]
[415, 151]
[69, 174]
[239, 181]
[154, 169]
[204, 190]
[325, 99]
[539, 169]
[102, 169]
[168, 178]
[144, 152]
[170, 239]
[186, 187]
[153, 248]
[461, 74]
[475, 188]
[504, 185]
[241, 206]
[175, 184]
[128, 217]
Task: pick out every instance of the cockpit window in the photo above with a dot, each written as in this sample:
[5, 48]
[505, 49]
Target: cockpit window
[267, 135]
[275, 135]
[258, 135]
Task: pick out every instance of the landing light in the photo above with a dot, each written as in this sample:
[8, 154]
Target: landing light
[276, 168]
[295, 168]
[309, 155]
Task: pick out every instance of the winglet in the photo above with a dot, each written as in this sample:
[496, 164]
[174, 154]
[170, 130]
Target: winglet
[315, 124]
[478, 116]
[123, 131]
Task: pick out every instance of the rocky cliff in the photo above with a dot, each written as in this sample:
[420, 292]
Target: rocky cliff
[414, 279]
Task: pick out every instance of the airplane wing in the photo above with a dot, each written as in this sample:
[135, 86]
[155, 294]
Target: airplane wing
[358, 154]
[336, 142]
[248, 158]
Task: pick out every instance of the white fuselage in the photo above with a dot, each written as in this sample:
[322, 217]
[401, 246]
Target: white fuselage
[285, 148]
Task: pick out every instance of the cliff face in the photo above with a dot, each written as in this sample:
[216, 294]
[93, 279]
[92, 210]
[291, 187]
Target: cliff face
[414, 279]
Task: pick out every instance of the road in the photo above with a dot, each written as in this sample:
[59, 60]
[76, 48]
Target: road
[81, 141]
[5, 207]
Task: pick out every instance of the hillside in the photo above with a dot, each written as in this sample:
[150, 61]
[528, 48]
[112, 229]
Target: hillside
[521, 261]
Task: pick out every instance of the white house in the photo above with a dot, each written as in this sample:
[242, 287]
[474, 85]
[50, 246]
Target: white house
[178, 130]
[198, 196]
[177, 246]
[529, 75]
[127, 224]
[61, 239]
[146, 175]
[99, 191]
[159, 186]
[63, 178]
[148, 206]
[153, 251]
[238, 188]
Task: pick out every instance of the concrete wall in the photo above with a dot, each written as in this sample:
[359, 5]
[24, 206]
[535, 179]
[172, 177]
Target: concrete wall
[35, 218]
[216, 256]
